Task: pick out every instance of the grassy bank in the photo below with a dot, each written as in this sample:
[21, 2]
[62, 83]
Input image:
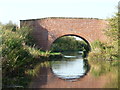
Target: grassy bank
[104, 62]
[19, 55]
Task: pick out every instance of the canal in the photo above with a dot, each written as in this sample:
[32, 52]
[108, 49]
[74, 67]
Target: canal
[71, 71]
[71, 67]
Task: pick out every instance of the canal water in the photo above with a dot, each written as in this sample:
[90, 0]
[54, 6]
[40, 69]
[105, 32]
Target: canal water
[72, 71]
[58, 71]
[71, 67]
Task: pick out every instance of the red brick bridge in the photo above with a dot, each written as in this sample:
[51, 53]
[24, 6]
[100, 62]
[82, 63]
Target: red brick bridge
[47, 30]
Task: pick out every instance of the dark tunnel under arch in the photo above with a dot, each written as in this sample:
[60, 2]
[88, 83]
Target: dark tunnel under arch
[88, 43]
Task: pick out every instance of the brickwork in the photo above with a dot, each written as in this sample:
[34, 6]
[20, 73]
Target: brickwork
[47, 30]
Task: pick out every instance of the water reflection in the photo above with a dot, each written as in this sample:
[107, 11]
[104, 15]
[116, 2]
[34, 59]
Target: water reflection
[71, 67]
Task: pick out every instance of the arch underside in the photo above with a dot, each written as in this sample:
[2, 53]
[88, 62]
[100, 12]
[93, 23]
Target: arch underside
[54, 39]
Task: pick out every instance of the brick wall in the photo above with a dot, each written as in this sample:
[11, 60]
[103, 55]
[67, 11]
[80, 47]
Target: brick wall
[47, 30]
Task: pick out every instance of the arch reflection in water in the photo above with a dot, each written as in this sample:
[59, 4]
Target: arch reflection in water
[70, 67]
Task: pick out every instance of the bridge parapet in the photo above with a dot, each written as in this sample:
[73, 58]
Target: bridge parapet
[47, 30]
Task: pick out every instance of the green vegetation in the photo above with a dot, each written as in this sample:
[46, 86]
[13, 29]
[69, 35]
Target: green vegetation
[19, 55]
[104, 58]
[109, 69]
[109, 50]
[69, 43]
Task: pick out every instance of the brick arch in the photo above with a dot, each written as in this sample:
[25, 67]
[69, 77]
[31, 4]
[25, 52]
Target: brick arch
[86, 40]
[47, 30]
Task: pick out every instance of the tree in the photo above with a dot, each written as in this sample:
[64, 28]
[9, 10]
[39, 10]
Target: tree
[114, 27]
[10, 26]
[69, 43]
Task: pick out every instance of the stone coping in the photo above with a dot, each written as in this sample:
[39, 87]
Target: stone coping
[60, 18]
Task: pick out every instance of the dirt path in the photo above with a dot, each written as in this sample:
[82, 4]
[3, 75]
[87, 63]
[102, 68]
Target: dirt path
[46, 79]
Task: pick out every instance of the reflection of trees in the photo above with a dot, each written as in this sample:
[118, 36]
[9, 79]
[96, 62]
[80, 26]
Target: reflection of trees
[62, 64]
[86, 65]
[64, 61]
[57, 64]
[70, 53]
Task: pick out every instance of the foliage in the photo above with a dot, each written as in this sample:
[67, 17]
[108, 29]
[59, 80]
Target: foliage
[106, 68]
[99, 68]
[35, 71]
[14, 56]
[109, 50]
[113, 33]
[104, 56]
[69, 43]
[102, 51]
[112, 30]
[10, 26]
[35, 52]
[19, 54]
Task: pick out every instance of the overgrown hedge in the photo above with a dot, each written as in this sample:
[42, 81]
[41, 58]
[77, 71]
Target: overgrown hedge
[19, 55]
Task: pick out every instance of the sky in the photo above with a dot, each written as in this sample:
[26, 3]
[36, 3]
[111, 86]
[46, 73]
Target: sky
[16, 10]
